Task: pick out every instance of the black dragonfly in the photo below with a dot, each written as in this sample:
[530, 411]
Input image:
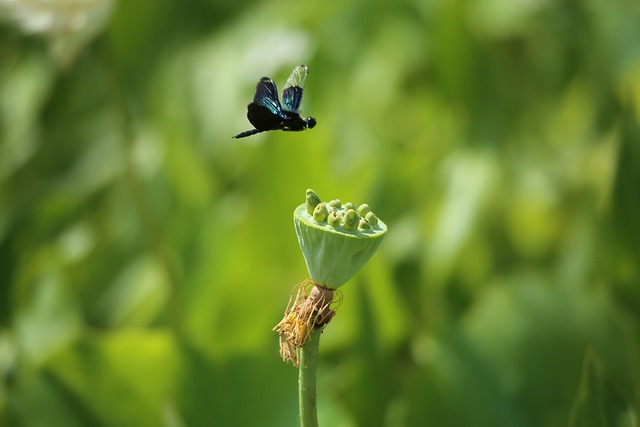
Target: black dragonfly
[265, 112]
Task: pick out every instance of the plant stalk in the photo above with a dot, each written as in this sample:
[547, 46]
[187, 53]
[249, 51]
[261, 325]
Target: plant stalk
[307, 380]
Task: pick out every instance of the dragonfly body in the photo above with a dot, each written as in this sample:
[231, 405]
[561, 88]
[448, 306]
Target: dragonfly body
[266, 113]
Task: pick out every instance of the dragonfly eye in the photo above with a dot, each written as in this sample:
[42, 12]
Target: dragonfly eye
[311, 122]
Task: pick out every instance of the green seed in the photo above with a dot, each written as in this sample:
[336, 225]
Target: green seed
[351, 220]
[320, 213]
[312, 201]
[334, 219]
[349, 205]
[364, 225]
[371, 218]
[336, 203]
[363, 209]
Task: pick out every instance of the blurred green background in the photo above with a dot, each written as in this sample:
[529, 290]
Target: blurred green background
[145, 255]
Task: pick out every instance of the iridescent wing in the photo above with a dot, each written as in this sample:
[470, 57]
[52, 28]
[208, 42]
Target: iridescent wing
[267, 96]
[292, 92]
[265, 112]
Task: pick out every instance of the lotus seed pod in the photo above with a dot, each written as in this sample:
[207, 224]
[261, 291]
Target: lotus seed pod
[312, 201]
[334, 251]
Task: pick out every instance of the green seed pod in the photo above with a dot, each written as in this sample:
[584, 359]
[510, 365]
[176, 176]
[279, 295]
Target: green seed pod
[371, 218]
[363, 210]
[333, 252]
[351, 220]
[312, 201]
[321, 212]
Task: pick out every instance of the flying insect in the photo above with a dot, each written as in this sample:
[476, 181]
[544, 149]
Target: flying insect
[266, 113]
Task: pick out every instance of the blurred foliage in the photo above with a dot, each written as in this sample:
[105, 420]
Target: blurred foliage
[145, 255]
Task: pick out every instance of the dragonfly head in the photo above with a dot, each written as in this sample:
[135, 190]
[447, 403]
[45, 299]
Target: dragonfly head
[311, 122]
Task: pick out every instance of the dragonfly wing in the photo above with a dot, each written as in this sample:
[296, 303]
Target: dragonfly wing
[292, 92]
[267, 97]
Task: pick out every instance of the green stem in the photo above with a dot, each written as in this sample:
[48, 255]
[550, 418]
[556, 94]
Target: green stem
[307, 381]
